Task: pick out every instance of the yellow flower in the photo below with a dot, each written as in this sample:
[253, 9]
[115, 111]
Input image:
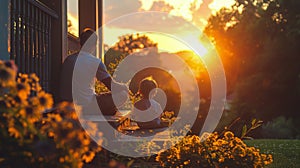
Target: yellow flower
[238, 150]
[54, 117]
[22, 112]
[45, 100]
[14, 132]
[61, 160]
[34, 78]
[22, 78]
[17, 101]
[51, 134]
[88, 156]
[186, 162]
[221, 159]
[7, 76]
[213, 155]
[34, 82]
[23, 90]
[32, 114]
[228, 135]
[214, 151]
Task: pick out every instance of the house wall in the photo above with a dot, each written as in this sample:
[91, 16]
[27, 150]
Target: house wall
[4, 32]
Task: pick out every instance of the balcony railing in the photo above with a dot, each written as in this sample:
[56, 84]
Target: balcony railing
[30, 37]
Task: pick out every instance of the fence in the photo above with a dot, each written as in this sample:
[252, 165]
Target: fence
[30, 37]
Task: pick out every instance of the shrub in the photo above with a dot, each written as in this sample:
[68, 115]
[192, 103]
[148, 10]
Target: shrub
[279, 128]
[27, 139]
[215, 151]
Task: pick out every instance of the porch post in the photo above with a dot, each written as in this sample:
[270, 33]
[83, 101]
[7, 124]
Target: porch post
[87, 14]
[58, 44]
[90, 15]
[4, 30]
[100, 33]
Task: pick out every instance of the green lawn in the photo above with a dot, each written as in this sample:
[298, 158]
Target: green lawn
[286, 153]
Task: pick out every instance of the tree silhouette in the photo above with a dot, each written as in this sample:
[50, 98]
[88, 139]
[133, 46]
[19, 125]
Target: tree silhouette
[126, 45]
[130, 43]
[258, 42]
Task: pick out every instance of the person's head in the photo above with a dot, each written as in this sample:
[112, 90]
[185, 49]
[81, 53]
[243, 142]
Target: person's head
[88, 40]
[146, 86]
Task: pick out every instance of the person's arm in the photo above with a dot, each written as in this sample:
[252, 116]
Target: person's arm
[107, 82]
[103, 76]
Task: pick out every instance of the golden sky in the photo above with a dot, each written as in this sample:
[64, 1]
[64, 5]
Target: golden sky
[181, 8]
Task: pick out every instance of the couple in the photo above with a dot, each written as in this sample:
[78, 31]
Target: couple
[78, 79]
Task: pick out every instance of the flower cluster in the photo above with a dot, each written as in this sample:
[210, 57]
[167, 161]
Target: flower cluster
[167, 115]
[215, 151]
[74, 145]
[21, 102]
[29, 137]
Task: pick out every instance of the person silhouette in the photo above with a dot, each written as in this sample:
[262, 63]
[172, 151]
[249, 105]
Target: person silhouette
[78, 75]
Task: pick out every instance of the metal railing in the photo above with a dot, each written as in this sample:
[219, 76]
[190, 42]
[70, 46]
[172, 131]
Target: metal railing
[30, 38]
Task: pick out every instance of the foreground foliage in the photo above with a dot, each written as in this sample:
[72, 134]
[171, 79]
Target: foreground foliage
[215, 151]
[27, 139]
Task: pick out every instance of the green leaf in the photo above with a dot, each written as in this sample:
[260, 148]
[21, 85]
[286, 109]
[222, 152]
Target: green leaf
[130, 163]
[253, 121]
[244, 131]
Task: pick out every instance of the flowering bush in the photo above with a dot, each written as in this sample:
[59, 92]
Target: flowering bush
[27, 139]
[215, 151]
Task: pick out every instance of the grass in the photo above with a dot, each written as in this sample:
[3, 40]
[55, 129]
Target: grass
[286, 153]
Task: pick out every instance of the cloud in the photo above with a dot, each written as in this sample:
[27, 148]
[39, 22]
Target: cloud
[156, 18]
[161, 6]
[178, 16]
[216, 5]
[116, 8]
[152, 21]
[73, 29]
[194, 11]
[201, 14]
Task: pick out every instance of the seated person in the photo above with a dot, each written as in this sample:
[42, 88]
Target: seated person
[146, 112]
[78, 75]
